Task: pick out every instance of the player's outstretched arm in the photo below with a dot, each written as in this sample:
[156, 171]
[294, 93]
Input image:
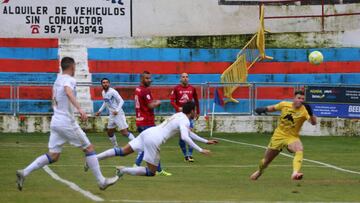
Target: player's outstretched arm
[263, 110]
[205, 152]
[312, 119]
[212, 142]
[200, 139]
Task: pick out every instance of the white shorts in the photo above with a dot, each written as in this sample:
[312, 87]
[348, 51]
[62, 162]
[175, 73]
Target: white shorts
[117, 120]
[151, 147]
[73, 134]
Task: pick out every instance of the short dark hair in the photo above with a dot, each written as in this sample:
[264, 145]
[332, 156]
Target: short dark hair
[299, 92]
[145, 73]
[66, 62]
[188, 107]
[104, 79]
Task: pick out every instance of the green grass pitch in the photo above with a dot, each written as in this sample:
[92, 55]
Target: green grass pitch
[222, 177]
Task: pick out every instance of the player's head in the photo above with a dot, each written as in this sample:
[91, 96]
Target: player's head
[189, 109]
[299, 98]
[184, 79]
[146, 78]
[105, 83]
[68, 65]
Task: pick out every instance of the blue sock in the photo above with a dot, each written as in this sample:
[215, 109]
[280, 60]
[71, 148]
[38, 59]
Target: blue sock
[159, 169]
[149, 173]
[49, 159]
[182, 145]
[118, 151]
[139, 159]
[190, 151]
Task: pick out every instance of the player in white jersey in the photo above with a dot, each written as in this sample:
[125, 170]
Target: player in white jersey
[64, 128]
[150, 140]
[113, 102]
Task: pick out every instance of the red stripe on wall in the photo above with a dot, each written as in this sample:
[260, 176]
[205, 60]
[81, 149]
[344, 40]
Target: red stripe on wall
[304, 67]
[29, 42]
[13, 65]
[5, 92]
[157, 67]
[35, 92]
[163, 93]
[127, 93]
[275, 92]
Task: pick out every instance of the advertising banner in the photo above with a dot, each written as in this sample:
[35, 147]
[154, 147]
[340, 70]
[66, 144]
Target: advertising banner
[342, 102]
[65, 18]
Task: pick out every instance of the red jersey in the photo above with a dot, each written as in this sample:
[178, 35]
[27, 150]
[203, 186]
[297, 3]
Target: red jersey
[144, 114]
[180, 95]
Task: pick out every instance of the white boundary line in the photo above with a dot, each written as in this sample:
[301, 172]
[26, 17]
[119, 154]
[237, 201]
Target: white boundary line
[72, 185]
[207, 201]
[172, 201]
[287, 155]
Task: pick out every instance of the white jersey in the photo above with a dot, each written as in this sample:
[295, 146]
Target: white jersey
[63, 109]
[112, 101]
[178, 123]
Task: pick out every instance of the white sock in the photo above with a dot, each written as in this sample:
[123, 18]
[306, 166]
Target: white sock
[106, 154]
[93, 164]
[135, 171]
[39, 162]
[131, 136]
[113, 140]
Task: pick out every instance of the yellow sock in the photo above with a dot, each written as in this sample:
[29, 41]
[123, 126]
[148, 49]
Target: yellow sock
[297, 162]
[261, 165]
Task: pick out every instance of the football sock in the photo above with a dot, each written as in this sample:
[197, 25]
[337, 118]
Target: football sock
[135, 171]
[182, 145]
[93, 164]
[159, 169]
[106, 154]
[190, 151]
[39, 162]
[262, 166]
[297, 162]
[113, 140]
[139, 158]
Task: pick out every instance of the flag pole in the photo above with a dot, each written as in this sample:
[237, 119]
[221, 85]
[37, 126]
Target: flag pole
[212, 120]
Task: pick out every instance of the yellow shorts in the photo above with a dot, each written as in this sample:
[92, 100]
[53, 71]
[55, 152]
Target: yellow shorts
[281, 142]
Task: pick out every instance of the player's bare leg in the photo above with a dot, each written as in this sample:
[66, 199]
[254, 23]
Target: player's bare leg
[126, 133]
[297, 148]
[270, 154]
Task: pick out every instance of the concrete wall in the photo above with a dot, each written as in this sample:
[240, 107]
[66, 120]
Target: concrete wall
[206, 17]
[260, 124]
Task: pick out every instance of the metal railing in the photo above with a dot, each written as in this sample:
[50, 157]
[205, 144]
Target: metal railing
[249, 96]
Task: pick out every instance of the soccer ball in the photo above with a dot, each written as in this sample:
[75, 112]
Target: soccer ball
[316, 57]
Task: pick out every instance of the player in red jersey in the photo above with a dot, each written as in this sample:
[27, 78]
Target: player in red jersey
[144, 108]
[180, 95]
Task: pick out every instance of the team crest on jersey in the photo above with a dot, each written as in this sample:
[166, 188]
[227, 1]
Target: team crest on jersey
[184, 98]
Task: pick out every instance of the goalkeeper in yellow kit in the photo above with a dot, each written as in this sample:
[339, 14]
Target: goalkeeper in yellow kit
[286, 135]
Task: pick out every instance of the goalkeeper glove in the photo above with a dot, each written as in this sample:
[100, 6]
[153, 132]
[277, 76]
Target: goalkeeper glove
[261, 110]
[308, 109]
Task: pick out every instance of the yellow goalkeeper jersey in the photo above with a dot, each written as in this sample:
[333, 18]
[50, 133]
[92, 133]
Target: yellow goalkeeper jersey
[290, 120]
